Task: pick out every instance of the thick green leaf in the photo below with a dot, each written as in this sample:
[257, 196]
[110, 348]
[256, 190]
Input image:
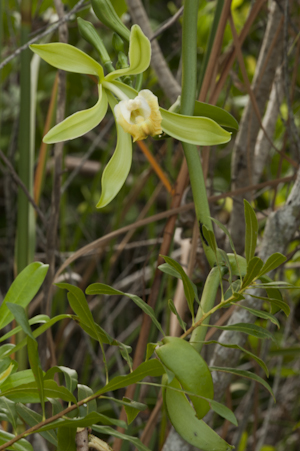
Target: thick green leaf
[253, 270]
[66, 439]
[273, 262]
[246, 374]
[251, 231]
[250, 354]
[8, 408]
[262, 314]
[23, 290]
[187, 286]
[184, 420]
[150, 368]
[139, 55]
[69, 58]
[101, 288]
[217, 114]
[276, 302]
[20, 445]
[32, 418]
[174, 311]
[30, 392]
[250, 329]
[238, 264]
[131, 411]
[201, 131]
[79, 123]
[70, 375]
[118, 167]
[109, 431]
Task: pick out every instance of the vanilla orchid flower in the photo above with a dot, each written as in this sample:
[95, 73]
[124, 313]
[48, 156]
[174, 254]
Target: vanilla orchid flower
[137, 114]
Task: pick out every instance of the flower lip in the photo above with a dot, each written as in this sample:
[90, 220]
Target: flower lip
[140, 116]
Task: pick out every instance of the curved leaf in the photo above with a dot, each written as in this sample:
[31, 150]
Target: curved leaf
[23, 289]
[273, 262]
[20, 445]
[139, 55]
[217, 114]
[79, 123]
[201, 131]
[69, 58]
[118, 167]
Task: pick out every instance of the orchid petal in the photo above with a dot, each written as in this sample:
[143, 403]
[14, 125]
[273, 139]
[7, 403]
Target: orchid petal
[117, 169]
[139, 55]
[201, 131]
[79, 123]
[69, 58]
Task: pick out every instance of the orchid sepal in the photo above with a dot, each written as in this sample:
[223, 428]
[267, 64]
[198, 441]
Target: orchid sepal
[79, 123]
[68, 58]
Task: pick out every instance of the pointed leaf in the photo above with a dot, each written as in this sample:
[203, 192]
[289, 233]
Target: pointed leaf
[248, 353]
[20, 445]
[79, 123]
[217, 114]
[85, 392]
[262, 314]
[201, 131]
[168, 269]
[253, 270]
[8, 407]
[174, 311]
[23, 290]
[273, 262]
[101, 288]
[150, 368]
[246, 374]
[32, 418]
[187, 286]
[139, 55]
[276, 302]
[150, 349]
[69, 58]
[35, 364]
[250, 329]
[30, 392]
[16, 379]
[20, 316]
[209, 237]
[251, 231]
[223, 411]
[38, 319]
[118, 167]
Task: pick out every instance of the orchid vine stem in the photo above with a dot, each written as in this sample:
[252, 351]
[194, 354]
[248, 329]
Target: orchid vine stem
[189, 85]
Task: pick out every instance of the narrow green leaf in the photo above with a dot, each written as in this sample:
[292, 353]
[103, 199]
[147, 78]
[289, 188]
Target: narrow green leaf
[187, 286]
[80, 122]
[217, 114]
[250, 354]
[131, 411]
[66, 439]
[253, 270]
[150, 349]
[70, 375]
[246, 374]
[150, 368]
[139, 55]
[223, 411]
[251, 231]
[69, 58]
[8, 408]
[262, 314]
[234, 288]
[6, 368]
[96, 332]
[273, 262]
[16, 379]
[20, 316]
[101, 288]
[168, 269]
[274, 301]
[250, 329]
[32, 418]
[20, 445]
[6, 350]
[201, 131]
[137, 405]
[35, 320]
[210, 238]
[23, 290]
[110, 431]
[35, 364]
[118, 167]
[174, 310]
